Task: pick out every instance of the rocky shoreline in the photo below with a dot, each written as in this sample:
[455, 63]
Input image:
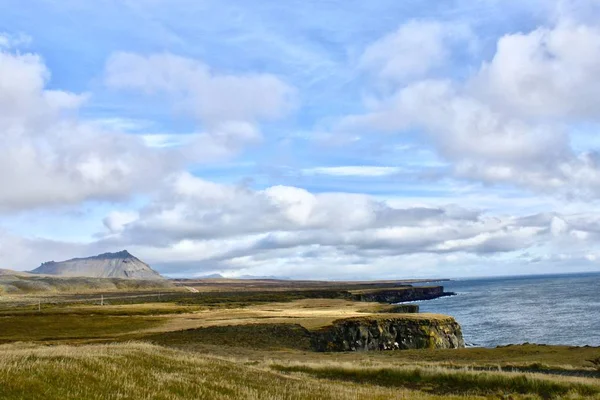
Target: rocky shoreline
[387, 332]
[400, 295]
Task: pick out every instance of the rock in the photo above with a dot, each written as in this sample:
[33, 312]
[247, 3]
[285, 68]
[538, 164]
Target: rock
[400, 309]
[389, 333]
[399, 295]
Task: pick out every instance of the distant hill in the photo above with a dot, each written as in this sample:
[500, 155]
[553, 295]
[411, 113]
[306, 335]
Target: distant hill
[211, 276]
[269, 277]
[108, 265]
[10, 272]
[246, 277]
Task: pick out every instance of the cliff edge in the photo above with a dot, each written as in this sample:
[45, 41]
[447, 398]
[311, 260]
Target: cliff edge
[389, 332]
[399, 295]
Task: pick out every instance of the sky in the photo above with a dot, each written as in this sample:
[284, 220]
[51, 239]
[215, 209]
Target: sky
[302, 139]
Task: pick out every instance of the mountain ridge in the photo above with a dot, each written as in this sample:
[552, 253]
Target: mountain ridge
[121, 264]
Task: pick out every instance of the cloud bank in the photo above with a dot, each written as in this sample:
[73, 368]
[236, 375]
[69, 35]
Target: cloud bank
[457, 144]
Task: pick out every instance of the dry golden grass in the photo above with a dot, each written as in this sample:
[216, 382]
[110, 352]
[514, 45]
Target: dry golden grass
[78, 322]
[309, 313]
[136, 370]
[527, 357]
[256, 347]
[19, 283]
[439, 380]
[143, 371]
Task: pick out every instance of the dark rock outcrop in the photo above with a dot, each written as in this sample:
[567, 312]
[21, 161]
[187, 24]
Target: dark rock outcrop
[399, 295]
[108, 265]
[400, 309]
[389, 333]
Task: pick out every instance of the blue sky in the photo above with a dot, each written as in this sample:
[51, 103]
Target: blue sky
[344, 140]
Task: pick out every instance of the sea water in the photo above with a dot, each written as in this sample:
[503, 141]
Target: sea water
[551, 309]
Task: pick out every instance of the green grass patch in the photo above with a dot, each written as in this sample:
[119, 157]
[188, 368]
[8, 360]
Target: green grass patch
[55, 327]
[142, 309]
[253, 336]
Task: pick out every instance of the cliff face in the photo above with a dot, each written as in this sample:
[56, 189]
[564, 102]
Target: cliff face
[389, 333]
[400, 309]
[109, 265]
[401, 294]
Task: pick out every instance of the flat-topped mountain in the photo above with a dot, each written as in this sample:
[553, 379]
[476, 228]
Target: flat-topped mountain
[108, 265]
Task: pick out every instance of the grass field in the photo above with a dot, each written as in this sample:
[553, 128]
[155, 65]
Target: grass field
[230, 344]
[20, 283]
[77, 321]
[445, 381]
[64, 327]
[144, 371]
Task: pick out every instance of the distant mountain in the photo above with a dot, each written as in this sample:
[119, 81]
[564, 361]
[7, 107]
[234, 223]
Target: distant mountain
[211, 276]
[108, 265]
[247, 277]
[269, 277]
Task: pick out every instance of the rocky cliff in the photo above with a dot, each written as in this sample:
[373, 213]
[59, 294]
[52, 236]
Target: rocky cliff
[399, 309]
[398, 295]
[108, 265]
[389, 333]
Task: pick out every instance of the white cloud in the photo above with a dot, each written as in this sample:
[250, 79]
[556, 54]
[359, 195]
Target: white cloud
[507, 121]
[414, 49]
[353, 170]
[223, 141]
[549, 72]
[210, 97]
[117, 124]
[24, 254]
[510, 122]
[229, 107]
[192, 208]
[53, 157]
[8, 41]
[197, 225]
[558, 226]
[166, 140]
[50, 156]
[116, 221]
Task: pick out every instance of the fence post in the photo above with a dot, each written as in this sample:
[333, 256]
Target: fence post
[101, 299]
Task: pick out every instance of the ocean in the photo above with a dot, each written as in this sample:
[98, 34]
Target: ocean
[550, 309]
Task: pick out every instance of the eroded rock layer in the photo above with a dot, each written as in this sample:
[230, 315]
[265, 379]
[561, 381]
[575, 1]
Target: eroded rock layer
[398, 295]
[389, 333]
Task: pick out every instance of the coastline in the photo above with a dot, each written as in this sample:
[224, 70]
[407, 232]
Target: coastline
[504, 311]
